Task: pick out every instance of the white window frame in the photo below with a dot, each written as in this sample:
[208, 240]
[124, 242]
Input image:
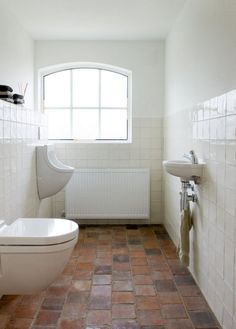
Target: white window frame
[76, 65]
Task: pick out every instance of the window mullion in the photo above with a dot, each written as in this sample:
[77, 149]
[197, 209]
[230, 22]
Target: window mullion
[71, 105]
[99, 104]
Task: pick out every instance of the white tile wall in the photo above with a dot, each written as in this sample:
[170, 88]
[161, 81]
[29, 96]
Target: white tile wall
[144, 151]
[210, 129]
[18, 138]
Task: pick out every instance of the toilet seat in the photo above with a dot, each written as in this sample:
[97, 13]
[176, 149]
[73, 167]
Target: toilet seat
[38, 232]
[33, 249]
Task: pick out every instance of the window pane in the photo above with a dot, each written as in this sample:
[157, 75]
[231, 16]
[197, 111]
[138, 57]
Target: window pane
[57, 89]
[86, 88]
[58, 124]
[113, 124]
[85, 124]
[113, 89]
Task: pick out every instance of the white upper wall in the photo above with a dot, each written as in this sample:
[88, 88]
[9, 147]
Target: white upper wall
[144, 58]
[201, 53]
[97, 20]
[16, 55]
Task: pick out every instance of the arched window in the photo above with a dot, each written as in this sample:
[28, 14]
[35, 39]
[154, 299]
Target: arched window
[87, 102]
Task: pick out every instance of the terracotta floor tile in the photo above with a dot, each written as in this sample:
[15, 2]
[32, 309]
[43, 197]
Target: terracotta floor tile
[32, 299]
[156, 259]
[103, 262]
[123, 311]
[142, 279]
[173, 311]
[121, 276]
[161, 275]
[189, 291]
[195, 304]
[82, 275]
[105, 269]
[121, 258]
[57, 291]
[134, 242]
[122, 297]
[104, 256]
[145, 290]
[148, 317]
[140, 270]
[99, 318]
[139, 261]
[151, 244]
[51, 303]
[124, 324]
[178, 324]
[169, 298]
[86, 258]
[71, 324]
[4, 319]
[165, 285]
[8, 304]
[63, 280]
[121, 267]
[153, 251]
[102, 290]
[202, 319]
[137, 254]
[100, 303]
[117, 277]
[47, 318]
[80, 297]
[85, 267]
[80, 285]
[74, 311]
[152, 327]
[147, 303]
[69, 269]
[26, 311]
[184, 280]
[16, 323]
[120, 251]
[122, 286]
[160, 266]
[101, 279]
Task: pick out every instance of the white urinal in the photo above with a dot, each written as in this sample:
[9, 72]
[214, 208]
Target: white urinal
[52, 174]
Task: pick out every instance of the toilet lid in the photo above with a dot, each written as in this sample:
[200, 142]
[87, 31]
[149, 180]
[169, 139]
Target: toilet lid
[38, 231]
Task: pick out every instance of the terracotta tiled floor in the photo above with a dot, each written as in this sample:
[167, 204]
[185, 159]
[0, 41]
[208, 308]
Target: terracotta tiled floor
[123, 277]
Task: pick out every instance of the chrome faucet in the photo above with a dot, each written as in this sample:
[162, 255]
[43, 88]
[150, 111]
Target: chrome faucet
[191, 157]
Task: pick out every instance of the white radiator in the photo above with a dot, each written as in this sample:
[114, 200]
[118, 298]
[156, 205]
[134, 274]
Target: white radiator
[108, 194]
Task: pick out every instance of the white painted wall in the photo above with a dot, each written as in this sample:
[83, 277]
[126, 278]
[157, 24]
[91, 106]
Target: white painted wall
[18, 128]
[146, 61]
[200, 64]
[144, 58]
[16, 55]
[201, 53]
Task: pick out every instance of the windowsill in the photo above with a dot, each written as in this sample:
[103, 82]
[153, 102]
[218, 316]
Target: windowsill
[88, 141]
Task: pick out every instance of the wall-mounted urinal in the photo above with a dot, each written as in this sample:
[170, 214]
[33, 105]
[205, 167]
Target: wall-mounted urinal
[52, 174]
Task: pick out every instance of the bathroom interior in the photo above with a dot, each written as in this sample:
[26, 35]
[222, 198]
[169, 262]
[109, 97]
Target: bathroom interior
[118, 164]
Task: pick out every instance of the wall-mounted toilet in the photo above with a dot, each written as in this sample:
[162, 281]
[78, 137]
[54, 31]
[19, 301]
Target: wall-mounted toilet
[52, 174]
[34, 252]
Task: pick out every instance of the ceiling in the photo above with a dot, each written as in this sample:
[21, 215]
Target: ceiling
[96, 19]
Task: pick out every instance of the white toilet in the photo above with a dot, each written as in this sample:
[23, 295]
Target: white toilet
[34, 252]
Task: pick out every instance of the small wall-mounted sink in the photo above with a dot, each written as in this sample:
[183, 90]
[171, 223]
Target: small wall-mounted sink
[185, 170]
